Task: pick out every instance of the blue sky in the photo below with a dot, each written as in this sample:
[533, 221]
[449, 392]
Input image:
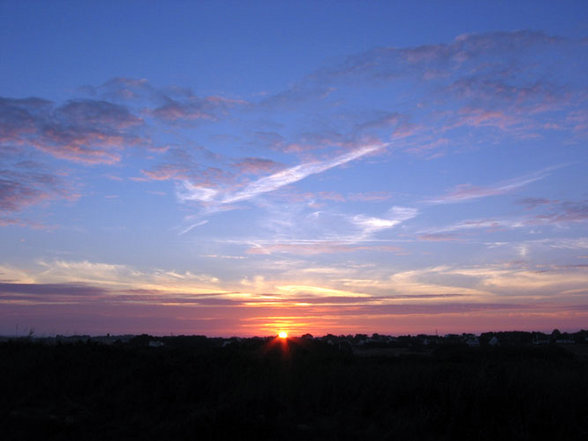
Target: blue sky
[231, 168]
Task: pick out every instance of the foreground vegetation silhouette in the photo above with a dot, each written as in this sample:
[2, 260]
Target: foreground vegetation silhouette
[195, 388]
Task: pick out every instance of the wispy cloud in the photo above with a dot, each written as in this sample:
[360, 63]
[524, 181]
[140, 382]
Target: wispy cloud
[317, 247]
[562, 213]
[325, 232]
[215, 198]
[489, 224]
[371, 196]
[369, 225]
[438, 237]
[119, 276]
[468, 192]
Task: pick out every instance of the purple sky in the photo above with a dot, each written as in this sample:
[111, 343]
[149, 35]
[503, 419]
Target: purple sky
[238, 168]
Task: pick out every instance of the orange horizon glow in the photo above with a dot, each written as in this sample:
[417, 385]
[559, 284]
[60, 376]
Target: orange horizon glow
[283, 334]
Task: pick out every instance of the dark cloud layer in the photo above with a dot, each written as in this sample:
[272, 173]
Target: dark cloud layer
[49, 289]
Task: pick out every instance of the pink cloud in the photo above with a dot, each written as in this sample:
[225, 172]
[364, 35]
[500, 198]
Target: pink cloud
[164, 172]
[314, 199]
[173, 111]
[28, 183]
[316, 248]
[493, 88]
[394, 62]
[191, 107]
[189, 164]
[84, 146]
[86, 131]
[122, 89]
[531, 203]
[429, 146]
[303, 249]
[481, 80]
[478, 117]
[578, 119]
[466, 192]
[269, 140]
[25, 186]
[97, 114]
[257, 165]
[224, 100]
[562, 212]
[370, 196]
[385, 121]
[330, 196]
[438, 237]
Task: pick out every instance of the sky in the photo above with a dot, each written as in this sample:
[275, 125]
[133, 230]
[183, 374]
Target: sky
[234, 168]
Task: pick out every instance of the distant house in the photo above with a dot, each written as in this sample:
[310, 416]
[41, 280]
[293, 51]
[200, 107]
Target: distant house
[473, 342]
[539, 339]
[155, 344]
[565, 341]
[105, 339]
[543, 341]
[494, 341]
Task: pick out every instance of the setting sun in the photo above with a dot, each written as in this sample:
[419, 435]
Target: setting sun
[283, 334]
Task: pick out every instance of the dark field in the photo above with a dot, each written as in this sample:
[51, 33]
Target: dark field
[194, 389]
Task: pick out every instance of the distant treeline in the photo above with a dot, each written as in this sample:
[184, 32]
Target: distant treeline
[516, 338]
[197, 388]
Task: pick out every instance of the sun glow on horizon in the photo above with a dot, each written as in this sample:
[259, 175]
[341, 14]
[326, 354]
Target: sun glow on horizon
[283, 334]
